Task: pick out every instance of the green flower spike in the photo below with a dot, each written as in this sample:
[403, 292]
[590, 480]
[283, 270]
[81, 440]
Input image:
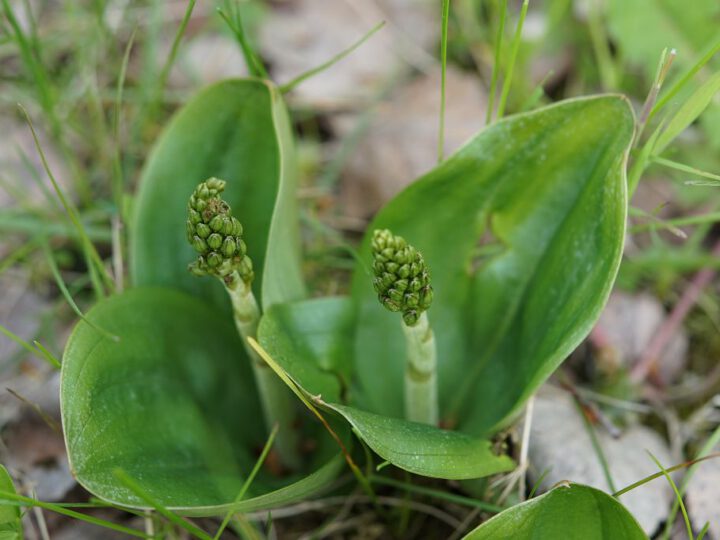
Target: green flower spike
[401, 277]
[402, 283]
[217, 237]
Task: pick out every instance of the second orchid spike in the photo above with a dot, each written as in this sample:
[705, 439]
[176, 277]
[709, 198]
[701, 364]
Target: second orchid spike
[215, 234]
[401, 278]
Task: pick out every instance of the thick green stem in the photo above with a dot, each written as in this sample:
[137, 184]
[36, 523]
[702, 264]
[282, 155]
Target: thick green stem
[421, 401]
[277, 402]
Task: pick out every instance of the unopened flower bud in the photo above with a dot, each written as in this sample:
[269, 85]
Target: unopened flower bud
[401, 278]
[215, 234]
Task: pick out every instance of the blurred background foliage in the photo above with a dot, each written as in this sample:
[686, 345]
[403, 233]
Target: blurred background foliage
[99, 79]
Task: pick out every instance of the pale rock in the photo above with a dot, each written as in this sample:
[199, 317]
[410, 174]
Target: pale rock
[208, 58]
[703, 497]
[560, 444]
[400, 142]
[20, 310]
[300, 35]
[627, 326]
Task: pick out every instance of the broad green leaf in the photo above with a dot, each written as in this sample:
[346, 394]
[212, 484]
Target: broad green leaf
[311, 341]
[690, 110]
[237, 130]
[173, 405]
[522, 230]
[423, 449]
[10, 516]
[570, 512]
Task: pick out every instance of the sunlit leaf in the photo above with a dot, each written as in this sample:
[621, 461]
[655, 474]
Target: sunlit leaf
[547, 192]
[570, 512]
[173, 405]
[310, 340]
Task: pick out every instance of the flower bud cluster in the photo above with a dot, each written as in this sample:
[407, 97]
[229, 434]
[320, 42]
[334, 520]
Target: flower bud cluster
[401, 278]
[215, 234]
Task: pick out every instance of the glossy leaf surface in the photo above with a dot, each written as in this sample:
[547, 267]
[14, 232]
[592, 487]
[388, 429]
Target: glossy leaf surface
[172, 404]
[570, 512]
[237, 130]
[311, 341]
[522, 230]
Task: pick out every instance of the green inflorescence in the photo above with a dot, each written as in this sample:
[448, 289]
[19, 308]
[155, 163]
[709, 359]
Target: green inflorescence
[215, 234]
[401, 276]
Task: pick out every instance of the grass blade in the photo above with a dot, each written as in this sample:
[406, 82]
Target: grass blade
[672, 224]
[678, 86]
[601, 47]
[33, 64]
[438, 494]
[688, 112]
[666, 60]
[254, 64]
[688, 169]
[511, 63]
[537, 94]
[47, 355]
[165, 72]
[117, 167]
[496, 62]
[18, 254]
[20, 223]
[95, 263]
[656, 475]
[642, 160]
[362, 480]
[68, 297]
[595, 444]
[704, 453]
[29, 502]
[677, 493]
[25, 345]
[249, 480]
[334, 60]
[133, 486]
[443, 77]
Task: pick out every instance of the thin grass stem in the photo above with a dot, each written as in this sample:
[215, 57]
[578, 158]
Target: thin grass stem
[678, 86]
[287, 87]
[88, 248]
[6, 496]
[253, 62]
[443, 77]
[496, 63]
[712, 441]
[677, 493]
[148, 499]
[513, 57]
[68, 297]
[604, 465]
[249, 480]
